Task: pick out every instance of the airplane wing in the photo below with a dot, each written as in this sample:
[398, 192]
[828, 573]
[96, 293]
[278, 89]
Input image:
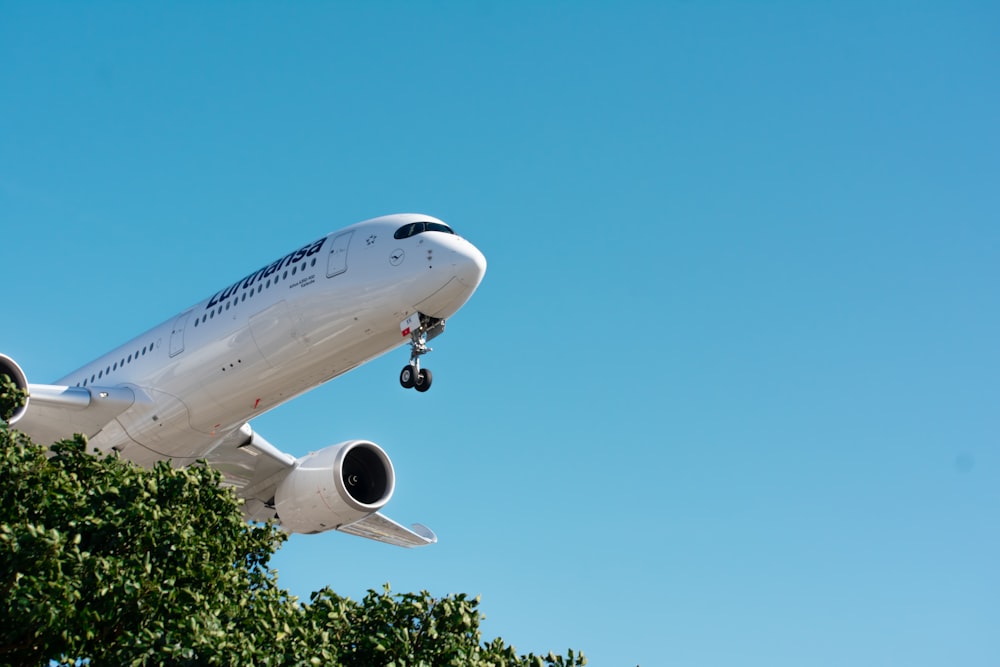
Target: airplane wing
[379, 527]
[255, 468]
[248, 462]
[58, 412]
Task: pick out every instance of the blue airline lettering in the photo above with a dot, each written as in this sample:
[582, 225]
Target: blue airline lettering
[245, 283]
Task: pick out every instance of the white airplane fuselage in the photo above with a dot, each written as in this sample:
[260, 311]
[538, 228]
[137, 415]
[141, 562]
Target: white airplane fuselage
[323, 309]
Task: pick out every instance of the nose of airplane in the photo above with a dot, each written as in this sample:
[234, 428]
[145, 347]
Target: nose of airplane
[470, 266]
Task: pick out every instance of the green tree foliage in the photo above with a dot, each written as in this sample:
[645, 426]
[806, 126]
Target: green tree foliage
[104, 560]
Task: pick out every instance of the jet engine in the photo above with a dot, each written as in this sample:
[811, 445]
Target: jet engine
[335, 486]
[10, 368]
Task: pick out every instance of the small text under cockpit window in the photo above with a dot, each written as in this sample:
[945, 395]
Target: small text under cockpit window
[414, 228]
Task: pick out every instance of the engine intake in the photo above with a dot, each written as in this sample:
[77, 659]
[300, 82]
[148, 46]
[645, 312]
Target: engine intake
[335, 486]
[10, 368]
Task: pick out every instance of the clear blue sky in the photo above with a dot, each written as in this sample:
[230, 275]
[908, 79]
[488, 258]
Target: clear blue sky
[730, 391]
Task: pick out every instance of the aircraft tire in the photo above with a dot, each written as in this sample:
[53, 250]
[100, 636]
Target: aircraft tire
[407, 377]
[424, 379]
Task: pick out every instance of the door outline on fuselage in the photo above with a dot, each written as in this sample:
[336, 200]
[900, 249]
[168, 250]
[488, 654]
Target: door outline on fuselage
[336, 262]
[177, 333]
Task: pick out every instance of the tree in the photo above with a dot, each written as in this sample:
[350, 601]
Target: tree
[105, 560]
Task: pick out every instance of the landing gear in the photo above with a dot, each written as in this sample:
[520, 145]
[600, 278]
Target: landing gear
[408, 377]
[413, 376]
[424, 379]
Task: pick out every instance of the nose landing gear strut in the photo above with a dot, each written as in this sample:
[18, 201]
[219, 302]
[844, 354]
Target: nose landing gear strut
[421, 329]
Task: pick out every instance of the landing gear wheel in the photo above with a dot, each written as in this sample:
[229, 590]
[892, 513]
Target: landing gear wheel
[408, 376]
[424, 379]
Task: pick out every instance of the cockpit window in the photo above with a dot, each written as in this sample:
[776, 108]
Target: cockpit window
[414, 228]
[406, 231]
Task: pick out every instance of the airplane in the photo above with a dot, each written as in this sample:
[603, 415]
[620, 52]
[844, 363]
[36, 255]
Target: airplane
[185, 390]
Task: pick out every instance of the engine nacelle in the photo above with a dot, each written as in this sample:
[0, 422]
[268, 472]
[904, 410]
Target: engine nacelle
[10, 368]
[335, 486]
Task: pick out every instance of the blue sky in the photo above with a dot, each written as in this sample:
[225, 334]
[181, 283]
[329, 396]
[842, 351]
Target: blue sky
[728, 393]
